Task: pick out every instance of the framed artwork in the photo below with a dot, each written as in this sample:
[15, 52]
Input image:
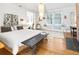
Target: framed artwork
[15, 20]
[7, 20]
[10, 20]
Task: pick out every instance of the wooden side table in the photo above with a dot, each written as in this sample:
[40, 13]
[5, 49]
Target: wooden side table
[1, 45]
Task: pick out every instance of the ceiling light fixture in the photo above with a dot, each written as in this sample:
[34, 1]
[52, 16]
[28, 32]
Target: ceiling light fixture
[41, 8]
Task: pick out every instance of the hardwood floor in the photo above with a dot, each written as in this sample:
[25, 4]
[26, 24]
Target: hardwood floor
[55, 46]
[52, 46]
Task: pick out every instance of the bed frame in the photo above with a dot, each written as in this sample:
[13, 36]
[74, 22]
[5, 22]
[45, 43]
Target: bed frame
[7, 29]
[21, 48]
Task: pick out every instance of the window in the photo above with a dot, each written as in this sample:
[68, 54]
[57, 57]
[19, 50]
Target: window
[57, 18]
[54, 18]
[49, 18]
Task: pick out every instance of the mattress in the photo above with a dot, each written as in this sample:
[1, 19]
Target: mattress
[13, 39]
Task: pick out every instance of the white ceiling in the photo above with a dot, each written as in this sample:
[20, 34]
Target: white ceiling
[48, 6]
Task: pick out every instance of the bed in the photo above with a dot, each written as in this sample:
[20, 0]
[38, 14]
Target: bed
[14, 38]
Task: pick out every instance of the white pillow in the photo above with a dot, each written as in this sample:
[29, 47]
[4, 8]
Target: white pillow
[15, 27]
[12, 28]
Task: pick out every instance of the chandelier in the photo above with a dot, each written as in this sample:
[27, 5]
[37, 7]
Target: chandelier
[41, 11]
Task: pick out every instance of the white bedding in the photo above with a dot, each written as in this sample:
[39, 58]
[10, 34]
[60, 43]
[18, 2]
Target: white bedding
[14, 38]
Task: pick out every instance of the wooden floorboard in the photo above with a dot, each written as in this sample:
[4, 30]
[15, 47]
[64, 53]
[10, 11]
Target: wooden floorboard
[4, 51]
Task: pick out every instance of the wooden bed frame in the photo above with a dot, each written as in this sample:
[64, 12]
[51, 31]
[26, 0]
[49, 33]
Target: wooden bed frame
[21, 48]
[1, 45]
[7, 29]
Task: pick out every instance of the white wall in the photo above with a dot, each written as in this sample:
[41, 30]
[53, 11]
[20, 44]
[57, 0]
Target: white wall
[11, 9]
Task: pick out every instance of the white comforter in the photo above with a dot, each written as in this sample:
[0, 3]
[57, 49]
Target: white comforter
[14, 38]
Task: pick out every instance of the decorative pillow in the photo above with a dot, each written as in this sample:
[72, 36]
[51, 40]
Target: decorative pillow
[12, 28]
[19, 27]
[5, 29]
[15, 27]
